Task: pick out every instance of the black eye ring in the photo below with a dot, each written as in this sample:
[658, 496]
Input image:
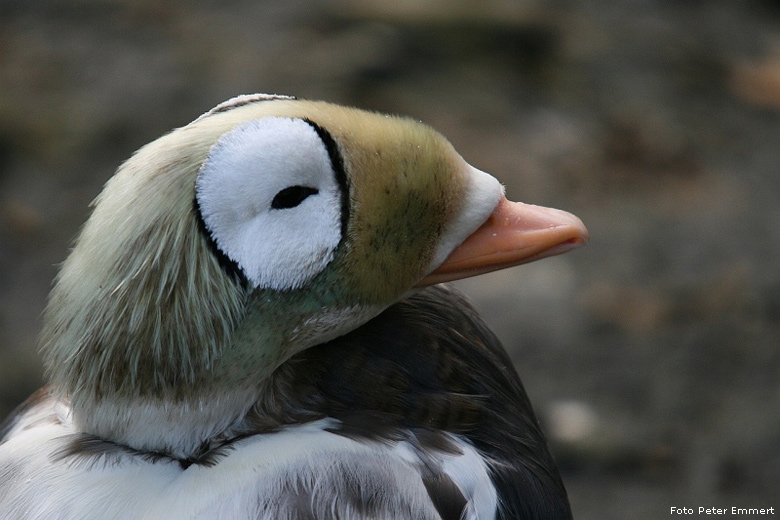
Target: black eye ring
[292, 196]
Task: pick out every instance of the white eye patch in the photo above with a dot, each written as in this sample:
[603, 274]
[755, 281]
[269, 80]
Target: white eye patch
[268, 195]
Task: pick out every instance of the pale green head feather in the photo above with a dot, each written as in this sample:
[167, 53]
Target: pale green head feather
[143, 308]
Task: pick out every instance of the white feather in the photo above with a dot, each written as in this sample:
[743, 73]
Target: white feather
[482, 195]
[470, 474]
[263, 476]
[247, 167]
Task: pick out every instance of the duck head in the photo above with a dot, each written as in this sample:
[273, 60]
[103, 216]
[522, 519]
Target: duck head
[266, 226]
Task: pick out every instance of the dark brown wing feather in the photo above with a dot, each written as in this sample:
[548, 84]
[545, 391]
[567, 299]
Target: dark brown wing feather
[426, 365]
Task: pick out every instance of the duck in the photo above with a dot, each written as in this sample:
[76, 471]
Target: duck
[254, 322]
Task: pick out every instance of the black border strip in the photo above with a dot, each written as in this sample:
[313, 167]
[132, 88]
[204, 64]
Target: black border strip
[337, 161]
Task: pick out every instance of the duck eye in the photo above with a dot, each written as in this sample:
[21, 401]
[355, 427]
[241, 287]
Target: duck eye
[292, 196]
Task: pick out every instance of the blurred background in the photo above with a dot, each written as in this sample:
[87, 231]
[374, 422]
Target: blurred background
[652, 355]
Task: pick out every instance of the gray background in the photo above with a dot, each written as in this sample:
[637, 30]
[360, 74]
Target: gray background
[652, 355]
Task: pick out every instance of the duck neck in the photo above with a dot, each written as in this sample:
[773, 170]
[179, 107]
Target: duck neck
[182, 413]
[181, 429]
[177, 406]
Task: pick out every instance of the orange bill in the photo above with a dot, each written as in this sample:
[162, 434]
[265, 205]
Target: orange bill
[515, 233]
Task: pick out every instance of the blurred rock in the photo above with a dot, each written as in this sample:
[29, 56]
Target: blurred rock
[572, 422]
[758, 81]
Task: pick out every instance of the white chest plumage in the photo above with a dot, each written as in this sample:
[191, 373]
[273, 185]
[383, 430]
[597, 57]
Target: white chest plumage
[302, 471]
